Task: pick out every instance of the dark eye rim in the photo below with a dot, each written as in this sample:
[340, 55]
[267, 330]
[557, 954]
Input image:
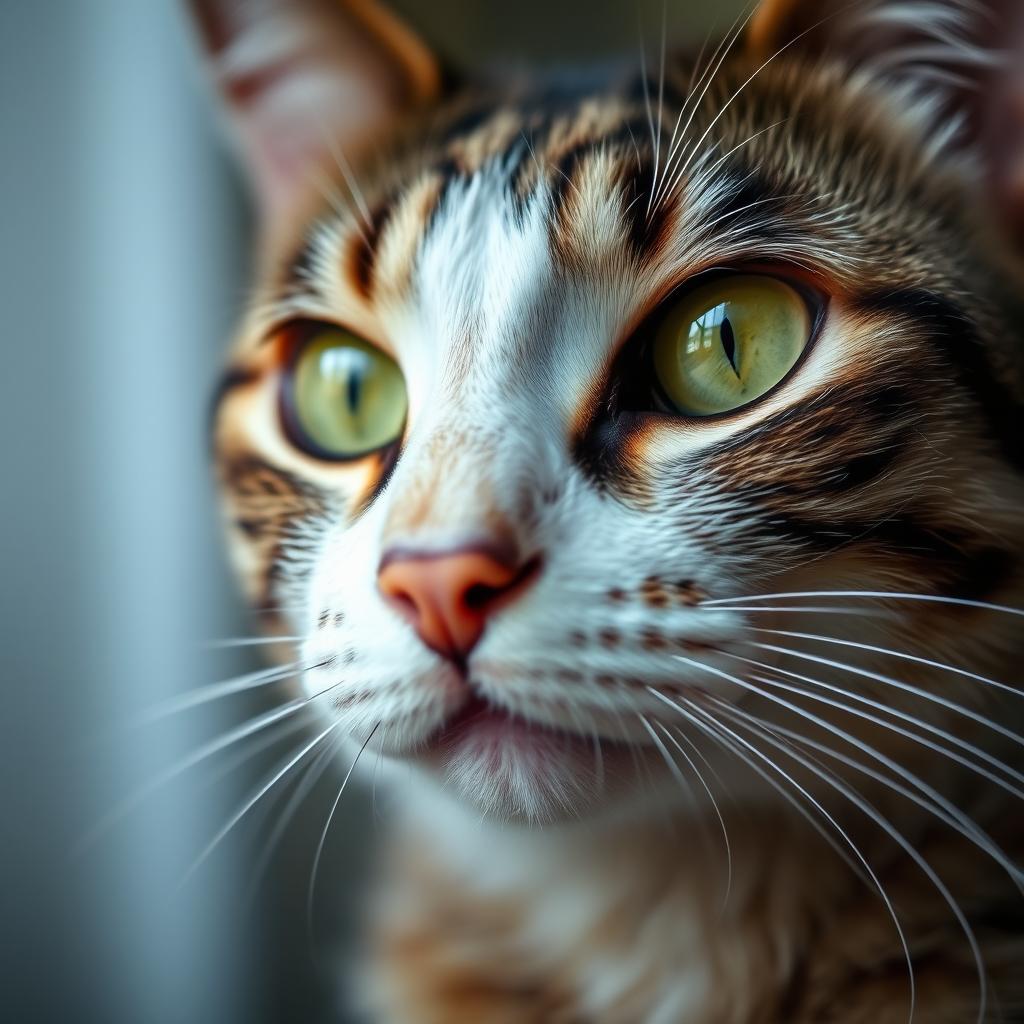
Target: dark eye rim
[633, 368]
[293, 338]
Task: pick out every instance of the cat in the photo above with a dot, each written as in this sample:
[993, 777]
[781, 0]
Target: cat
[639, 467]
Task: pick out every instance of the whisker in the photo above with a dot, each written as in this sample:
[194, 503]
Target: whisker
[707, 77]
[203, 753]
[897, 684]
[876, 881]
[373, 775]
[667, 757]
[707, 764]
[599, 782]
[350, 179]
[251, 641]
[785, 794]
[311, 891]
[706, 174]
[886, 595]
[647, 104]
[314, 771]
[214, 691]
[683, 783]
[270, 738]
[754, 724]
[952, 815]
[913, 720]
[253, 800]
[895, 654]
[331, 195]
[714, 805]
[879, 613]
[661, 104]
[728, 103]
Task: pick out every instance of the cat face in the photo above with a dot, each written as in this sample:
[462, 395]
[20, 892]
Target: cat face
[533, 416]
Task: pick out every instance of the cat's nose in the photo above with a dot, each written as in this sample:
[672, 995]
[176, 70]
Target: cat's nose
[448, 596]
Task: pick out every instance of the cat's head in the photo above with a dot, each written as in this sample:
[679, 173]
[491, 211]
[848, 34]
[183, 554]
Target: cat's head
[545, 392]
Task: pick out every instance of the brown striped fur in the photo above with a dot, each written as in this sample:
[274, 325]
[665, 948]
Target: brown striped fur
[509, 249]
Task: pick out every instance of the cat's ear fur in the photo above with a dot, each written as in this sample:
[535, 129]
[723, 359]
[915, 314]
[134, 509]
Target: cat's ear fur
[310, 81]
[958, 63]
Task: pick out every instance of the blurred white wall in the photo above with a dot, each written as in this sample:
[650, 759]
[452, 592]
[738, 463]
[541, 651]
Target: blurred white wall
[119, 279]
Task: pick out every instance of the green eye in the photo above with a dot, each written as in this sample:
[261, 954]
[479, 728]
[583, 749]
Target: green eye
[728, 343]
[343, 398]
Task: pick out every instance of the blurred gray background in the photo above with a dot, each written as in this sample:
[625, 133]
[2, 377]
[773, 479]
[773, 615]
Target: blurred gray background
[125, 233]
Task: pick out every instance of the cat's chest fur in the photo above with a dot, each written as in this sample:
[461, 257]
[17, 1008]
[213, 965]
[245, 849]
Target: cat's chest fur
[653, 924]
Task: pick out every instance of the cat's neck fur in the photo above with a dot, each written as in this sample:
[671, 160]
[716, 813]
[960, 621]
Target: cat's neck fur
[644, 917]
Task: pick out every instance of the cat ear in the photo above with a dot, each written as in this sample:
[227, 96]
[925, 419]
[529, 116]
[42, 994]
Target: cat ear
[308, 82]
[959, 63]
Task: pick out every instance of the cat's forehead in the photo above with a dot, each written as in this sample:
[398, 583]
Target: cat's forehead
[509, 199]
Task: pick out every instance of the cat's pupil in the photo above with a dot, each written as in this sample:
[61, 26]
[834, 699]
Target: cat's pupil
[354, 389]
[729, 344]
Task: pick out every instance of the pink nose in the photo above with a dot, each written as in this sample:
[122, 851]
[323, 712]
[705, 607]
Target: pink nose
[449, 596]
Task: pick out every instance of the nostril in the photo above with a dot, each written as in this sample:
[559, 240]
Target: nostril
[479, 596]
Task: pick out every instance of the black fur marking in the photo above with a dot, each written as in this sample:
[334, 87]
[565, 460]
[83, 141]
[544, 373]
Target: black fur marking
[364, 256]
[951, 560]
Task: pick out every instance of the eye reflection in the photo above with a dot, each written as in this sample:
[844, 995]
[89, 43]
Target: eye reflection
[728, 343]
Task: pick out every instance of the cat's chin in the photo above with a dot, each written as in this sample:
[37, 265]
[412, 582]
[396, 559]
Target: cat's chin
[514, 769]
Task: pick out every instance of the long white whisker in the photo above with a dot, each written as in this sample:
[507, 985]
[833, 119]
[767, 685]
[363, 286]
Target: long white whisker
[886, 595]
[647, 103]
[661, 105]
[138, 796]
[950, 813]
[253, 800]
[790, 799]
[736, 94]
[894, 654]
[306, 784]
[251, 641]
[720, 725]
[811, 609]
[706, 173]
[707, 77]
[913, 720]
[373, 775]
[714, 804]
[331, 195]
[214, 691]
[708, 225]
[899, 685]
[755, 725]
[680, 778]
[350, 179]
[311, 891]
[707, 764]
[264, 741]
[667, 757]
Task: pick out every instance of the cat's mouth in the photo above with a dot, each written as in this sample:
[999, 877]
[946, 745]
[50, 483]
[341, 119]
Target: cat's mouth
[479, 717]
[490, 734]
[521, 768]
